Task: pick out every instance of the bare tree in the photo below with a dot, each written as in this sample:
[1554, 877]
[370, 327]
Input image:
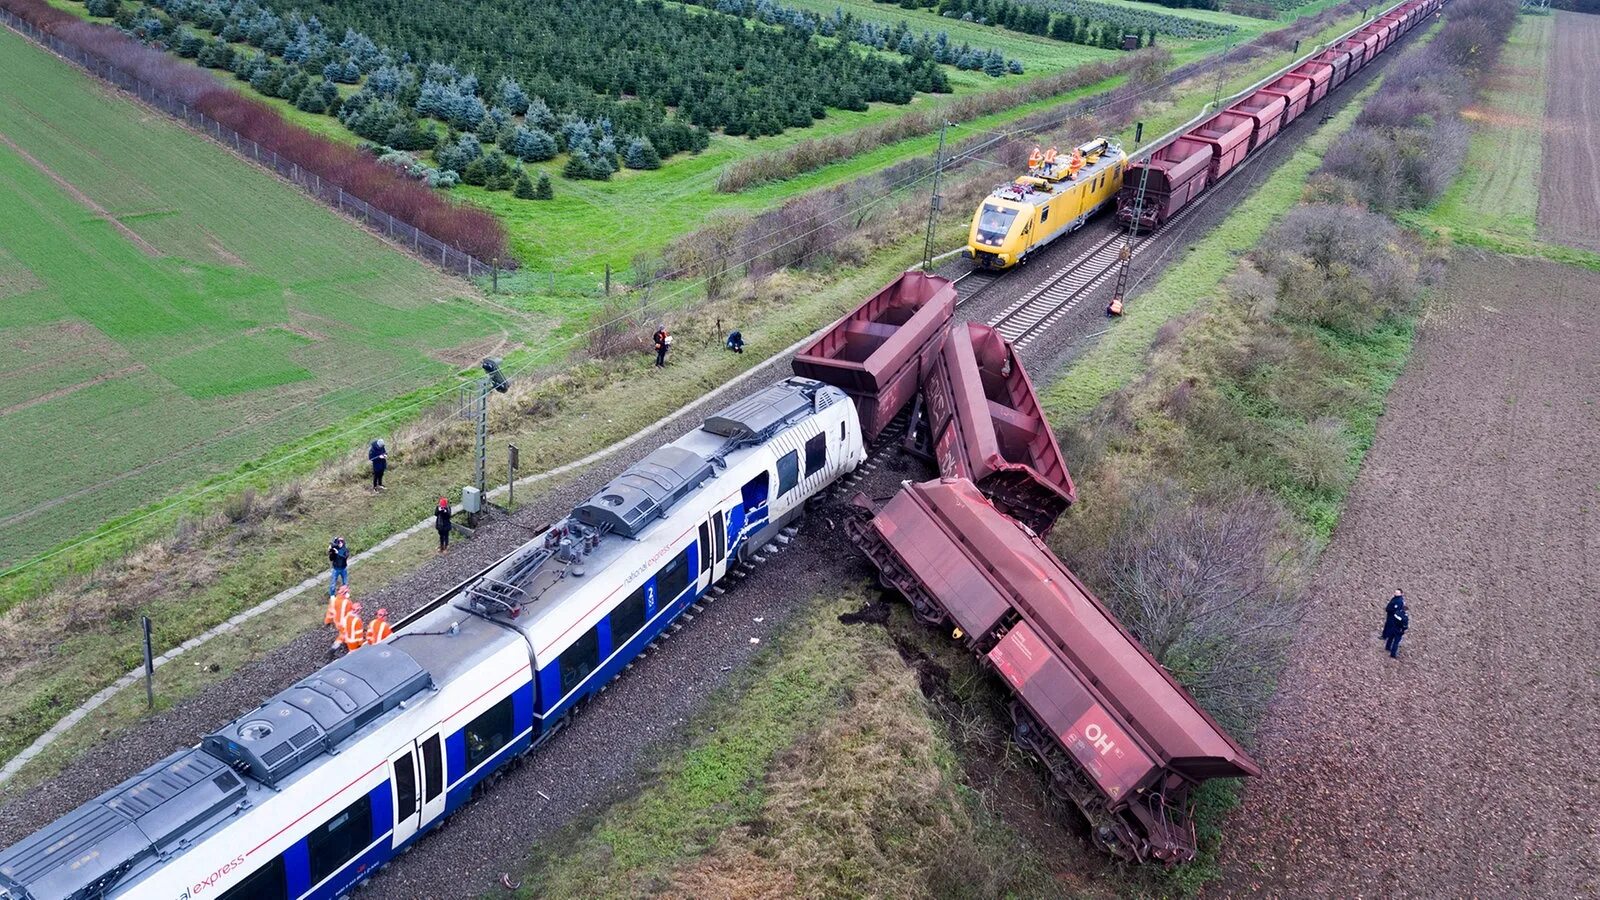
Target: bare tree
[1208, 588]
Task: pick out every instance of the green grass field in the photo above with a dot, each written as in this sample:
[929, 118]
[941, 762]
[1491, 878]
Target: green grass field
[1498, 190]
[169, 311]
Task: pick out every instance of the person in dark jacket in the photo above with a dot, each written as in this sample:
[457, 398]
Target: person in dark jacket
[662, 341]
[441, 523]
[378, 455]
[735, 342]
[339, 562]
[1396, 619]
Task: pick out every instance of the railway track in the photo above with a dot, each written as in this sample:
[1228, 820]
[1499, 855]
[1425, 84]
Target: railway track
[1037, 311]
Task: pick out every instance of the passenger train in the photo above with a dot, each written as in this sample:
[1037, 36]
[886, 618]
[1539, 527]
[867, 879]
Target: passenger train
[314, 790]
[1055, 197]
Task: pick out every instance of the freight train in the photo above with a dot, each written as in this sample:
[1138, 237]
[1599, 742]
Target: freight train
[1055, 197]
[1119, 737]
[318, 787]
[1156, 187]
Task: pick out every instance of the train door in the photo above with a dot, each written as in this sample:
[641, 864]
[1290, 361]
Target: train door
[713, 549]
[417, 773]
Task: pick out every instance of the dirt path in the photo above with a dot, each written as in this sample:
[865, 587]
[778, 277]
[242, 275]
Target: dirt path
[1569, 188]
[1469, 768]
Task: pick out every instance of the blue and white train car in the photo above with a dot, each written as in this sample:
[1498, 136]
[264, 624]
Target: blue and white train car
[325, 782]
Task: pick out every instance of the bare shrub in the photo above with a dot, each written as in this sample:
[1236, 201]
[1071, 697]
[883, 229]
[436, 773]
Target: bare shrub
[243, 507]
[1207, 588]
[287, 499]
[1340, 267]
[614, 330]
[1366, 158]
[1318, 454]
[1252, 288]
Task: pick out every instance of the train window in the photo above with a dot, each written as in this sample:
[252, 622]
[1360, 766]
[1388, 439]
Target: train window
[493, 729]
[816, 454]
[405, 788]
[705, 546]
[627, 618]
[788, 472]
[994, 223]
[340, 839]
[671, 580]
[1044, 214]
[266, 883]
[579, 660]
[432, 768]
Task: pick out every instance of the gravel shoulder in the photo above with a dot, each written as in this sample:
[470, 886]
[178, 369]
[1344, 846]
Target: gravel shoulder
[1467, 768]
[1569, 189]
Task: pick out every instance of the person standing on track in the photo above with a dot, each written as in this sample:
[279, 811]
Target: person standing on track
[339, 562]
[441, 523]
[663, 341]
[352, 632]
[378, 455]
[1396, 619]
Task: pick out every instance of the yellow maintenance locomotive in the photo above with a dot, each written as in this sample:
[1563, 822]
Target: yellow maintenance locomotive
[1056, 196]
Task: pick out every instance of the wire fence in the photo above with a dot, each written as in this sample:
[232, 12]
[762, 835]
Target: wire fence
[403, 233]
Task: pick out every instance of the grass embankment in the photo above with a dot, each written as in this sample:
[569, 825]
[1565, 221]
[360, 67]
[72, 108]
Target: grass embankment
[821, 773]
[189, 582]
[170, 312]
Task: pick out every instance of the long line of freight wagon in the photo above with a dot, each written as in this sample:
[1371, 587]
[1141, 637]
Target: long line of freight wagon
[1121, 739]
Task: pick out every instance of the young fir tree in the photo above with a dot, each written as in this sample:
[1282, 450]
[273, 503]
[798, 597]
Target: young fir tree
[524, 188]
[543, 190]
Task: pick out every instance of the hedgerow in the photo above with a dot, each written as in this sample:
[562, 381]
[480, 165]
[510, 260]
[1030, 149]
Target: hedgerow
[1409, 143]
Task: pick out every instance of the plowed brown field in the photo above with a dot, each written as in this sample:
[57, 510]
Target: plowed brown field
[1569, 187]
[1467, 768]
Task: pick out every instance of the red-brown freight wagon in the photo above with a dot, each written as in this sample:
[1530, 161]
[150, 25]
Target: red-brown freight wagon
[1120, 737]
[1321, 75]
[1339, 60]
[1178, 173]
[1229, 136]
[874, 353]
[1296, 93]
[981, 421]
[1266, 109]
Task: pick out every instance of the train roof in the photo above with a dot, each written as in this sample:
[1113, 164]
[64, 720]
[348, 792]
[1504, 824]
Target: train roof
[120, 836]
[607, 536]
[1040, 189]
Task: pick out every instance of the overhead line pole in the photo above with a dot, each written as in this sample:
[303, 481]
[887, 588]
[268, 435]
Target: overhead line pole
[934, 200]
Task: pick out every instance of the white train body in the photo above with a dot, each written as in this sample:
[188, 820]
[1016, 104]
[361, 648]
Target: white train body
[324, 783]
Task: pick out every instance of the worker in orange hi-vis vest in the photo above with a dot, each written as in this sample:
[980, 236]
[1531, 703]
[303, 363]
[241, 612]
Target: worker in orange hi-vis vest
[338, 605]
[352, 631]
[379, 629]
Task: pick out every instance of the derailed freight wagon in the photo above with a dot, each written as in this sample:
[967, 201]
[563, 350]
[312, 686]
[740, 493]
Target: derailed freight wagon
[1120, 737]
[875, 353]
[979, 418]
